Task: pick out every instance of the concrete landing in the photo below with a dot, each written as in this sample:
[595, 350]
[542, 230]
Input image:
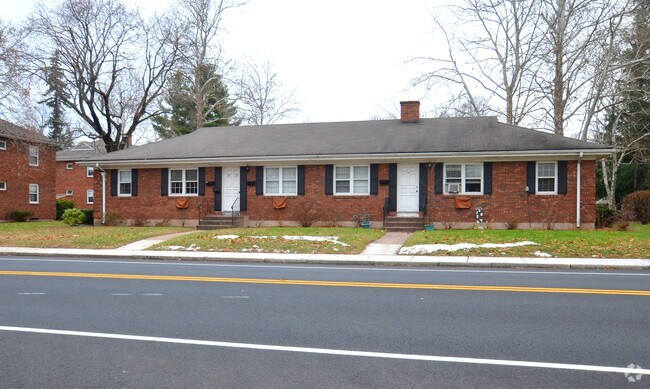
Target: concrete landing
[388, 244]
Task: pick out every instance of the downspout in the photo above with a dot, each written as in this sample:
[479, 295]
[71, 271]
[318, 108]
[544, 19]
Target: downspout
[103, 173]
[579, 184]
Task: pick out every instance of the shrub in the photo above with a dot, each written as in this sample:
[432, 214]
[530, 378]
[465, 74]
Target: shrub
[605, 217]
[20, 216]
[112, 219]
[73, 217]
[90, 215]
[638, 203]
[61, 206]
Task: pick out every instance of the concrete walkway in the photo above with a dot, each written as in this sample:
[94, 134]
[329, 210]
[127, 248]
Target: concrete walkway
[154, 240]
[388, 244]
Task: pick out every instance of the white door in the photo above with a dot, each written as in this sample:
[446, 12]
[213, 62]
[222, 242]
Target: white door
[408, 185]
[230, 190]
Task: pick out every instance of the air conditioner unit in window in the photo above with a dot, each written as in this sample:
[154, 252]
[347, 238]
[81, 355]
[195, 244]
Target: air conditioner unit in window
[453, 188]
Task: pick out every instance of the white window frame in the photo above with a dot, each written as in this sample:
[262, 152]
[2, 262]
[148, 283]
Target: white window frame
[34, 153]
[184, 182]
[280, 180]
[3, 144]
[463, 179]
[3, 185]
[90, 194]
[37, 193]
[69, 165]
[90, 172]
[538, 177]
[120, 182]
[69, 192]
[351, 181]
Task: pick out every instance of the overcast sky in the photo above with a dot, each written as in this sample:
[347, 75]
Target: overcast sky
[345, 59]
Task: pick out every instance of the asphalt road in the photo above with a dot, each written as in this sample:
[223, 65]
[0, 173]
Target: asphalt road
[171, 324]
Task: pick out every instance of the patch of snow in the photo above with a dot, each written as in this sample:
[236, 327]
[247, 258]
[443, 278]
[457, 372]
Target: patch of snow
[175, 248]
[225, 237]
[430, 248]
[542, 254]
[333, 239]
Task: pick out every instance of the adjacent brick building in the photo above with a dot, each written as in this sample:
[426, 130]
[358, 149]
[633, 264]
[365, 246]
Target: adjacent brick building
[75, 182]
[27, 172]
[449, 172]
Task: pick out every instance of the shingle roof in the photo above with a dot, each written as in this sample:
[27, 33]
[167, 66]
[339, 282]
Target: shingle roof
[82, 151]
[12, 131]
[378, 137]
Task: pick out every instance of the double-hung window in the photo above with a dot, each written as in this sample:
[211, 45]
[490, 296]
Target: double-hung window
[281, 181]
[3, 185]
[68, 166]
[90, 171]
[3, 145]
[352, 180]
[124, 183]
[90, 196]
[33, 156]
[546, 177]
[33, 194]
[184, 182]
[464, 178]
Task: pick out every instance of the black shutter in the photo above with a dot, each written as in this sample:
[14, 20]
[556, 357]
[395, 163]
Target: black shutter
[259, 180]
[301, 180]
[438, 179]
[531, 176]
[113, 182]
[134, 182]
[392, 187]
[562, 177]
[201, 181]
[243, 194]
[329, 179]
[487, 177]
[374, 179]
[217, 188]
[424, 180]
[164, 178]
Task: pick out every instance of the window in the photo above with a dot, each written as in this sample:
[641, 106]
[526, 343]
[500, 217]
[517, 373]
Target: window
[3, 145]
[90, 196]
[33, 193]
[184, 182]
[547, 177]
[69, 192]
[3, 185]
[281, 181]
[68, 165]
[464, 178]
[124, 183]
[352, 180]
[33, 156]
[90, 171]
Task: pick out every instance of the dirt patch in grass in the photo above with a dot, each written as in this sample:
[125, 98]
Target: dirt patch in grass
[634, 243]
[59, 235]
[274, 240]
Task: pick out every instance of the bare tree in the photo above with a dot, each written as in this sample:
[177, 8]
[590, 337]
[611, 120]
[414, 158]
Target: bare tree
[14, 85]
[114, 64]
[261, 97]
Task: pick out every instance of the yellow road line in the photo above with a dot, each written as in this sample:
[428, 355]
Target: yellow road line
[485, 288]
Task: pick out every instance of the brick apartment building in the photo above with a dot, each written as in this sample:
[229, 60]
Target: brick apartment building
[27, 172]
[442, 171]
[75, 182]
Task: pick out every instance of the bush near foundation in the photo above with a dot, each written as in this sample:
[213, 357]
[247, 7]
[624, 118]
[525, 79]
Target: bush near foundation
[605, 217]
[638, 205]
[61, 206]
[73, 217]
[20, 216]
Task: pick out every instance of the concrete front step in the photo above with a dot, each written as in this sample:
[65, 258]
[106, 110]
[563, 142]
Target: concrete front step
[404, 224]
[215, 222]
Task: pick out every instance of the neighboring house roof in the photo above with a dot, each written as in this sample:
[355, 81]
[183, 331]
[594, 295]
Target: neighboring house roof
[377, 139]
[82, 151]
[11, 131]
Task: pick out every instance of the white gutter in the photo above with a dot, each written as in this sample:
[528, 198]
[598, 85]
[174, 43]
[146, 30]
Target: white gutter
[579, 184]
[103, 173]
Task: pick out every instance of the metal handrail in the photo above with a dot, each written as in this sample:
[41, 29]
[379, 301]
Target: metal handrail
[232, 212]
[385, 212]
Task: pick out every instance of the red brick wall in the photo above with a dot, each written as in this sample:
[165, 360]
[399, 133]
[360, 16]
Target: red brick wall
[508, 203]
[74, 179]
[15, 170]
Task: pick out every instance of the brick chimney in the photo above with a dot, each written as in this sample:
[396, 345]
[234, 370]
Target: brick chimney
[410, 111]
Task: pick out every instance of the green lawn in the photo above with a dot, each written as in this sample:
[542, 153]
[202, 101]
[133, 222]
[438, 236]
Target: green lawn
[355, 240]
[59, 235]
[634, 243]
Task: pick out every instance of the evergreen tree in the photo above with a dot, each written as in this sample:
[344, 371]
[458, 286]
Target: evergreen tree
[59, 131]
[179, 115]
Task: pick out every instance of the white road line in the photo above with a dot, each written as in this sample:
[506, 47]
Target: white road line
[339, 268]
[121, 294]
[152, 294]
[31, 294]
[351, 353]
[234, 297]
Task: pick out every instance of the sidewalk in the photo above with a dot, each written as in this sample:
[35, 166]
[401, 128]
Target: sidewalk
[339, 259]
